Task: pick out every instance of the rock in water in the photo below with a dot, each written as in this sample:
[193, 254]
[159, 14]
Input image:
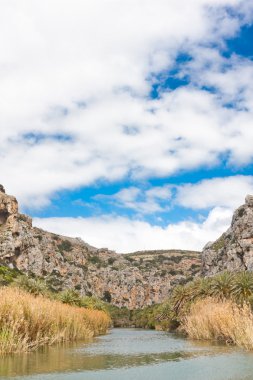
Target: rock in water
[233, 251]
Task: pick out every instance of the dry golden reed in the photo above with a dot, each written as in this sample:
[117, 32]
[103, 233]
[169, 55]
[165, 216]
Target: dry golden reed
[27, 322]
[220, 320]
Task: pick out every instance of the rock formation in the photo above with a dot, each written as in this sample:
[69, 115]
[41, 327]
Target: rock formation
[233, 251]
[133, 280]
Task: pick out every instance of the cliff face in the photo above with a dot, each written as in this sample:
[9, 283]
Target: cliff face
[133, 280]
[233, 251]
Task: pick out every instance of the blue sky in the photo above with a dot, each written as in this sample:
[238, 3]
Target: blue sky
[127, 123]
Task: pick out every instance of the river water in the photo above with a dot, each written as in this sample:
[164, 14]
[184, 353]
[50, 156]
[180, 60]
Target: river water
[131, 354]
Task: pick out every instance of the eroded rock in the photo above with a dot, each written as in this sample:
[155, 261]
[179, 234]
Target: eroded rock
[135, 280]
[233, 251]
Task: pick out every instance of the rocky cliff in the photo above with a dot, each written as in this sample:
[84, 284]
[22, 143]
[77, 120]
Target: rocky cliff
[131, 280]
[233, 251]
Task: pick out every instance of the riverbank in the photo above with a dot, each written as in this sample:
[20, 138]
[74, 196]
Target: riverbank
[218, 308]
[28, 322]
[210, 319]
[130, 354]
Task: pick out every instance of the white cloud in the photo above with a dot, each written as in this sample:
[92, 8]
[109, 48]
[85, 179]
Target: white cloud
[123, 234]
[227, 192]
[140, 200]
[84, 69]
[126, 196]
[126, 235]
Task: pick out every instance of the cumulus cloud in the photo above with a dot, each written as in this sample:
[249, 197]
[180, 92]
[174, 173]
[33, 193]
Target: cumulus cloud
[76, 107]
[221, 195]
[142, 201]
[224, 192]
[126, 235]
[227, 192]
[75, 83]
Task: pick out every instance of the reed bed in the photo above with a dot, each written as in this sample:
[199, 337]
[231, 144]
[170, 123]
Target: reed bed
[28, 322]
[213, 319]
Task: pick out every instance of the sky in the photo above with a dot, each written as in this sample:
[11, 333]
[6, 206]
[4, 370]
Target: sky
[128, 123]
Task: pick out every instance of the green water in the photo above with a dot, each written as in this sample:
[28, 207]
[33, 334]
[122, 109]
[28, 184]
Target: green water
[130, 354]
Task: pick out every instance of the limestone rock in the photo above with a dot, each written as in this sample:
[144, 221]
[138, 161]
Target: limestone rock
[233, 251]
[133, 280]
[249, 200]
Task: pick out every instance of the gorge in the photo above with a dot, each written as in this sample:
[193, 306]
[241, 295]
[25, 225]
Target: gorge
[126, 280]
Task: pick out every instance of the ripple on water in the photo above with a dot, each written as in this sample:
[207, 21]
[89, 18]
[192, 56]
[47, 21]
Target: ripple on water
[128, 354]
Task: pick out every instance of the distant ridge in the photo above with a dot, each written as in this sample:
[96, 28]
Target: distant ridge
[134, 280]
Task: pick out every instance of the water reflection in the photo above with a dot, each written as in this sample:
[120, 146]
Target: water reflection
[122, 350]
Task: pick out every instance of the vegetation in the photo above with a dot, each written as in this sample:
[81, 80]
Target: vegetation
[28, 321]
[111, 260]
[32, 285]
[220, 320]
[121, 317]
[22, 217]
[237, 287]
[7, 275]
[70, 297]
[218, 244]
[149, 317]
[95, 260]
[217, 308]
[65, 245]
[161, 252]
[31, 314]
[145, 318]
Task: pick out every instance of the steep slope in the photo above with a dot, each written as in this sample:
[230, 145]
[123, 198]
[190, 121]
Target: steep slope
[233, 251]
[133, 280]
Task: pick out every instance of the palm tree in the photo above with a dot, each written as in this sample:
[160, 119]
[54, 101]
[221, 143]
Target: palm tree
[221, 285]
[70, 296]
[180, 297]
[242, 288]
[200, 288]
[31, 285]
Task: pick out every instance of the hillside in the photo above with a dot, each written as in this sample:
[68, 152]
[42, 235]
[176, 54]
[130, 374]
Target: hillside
[132, 280]
[233, 251]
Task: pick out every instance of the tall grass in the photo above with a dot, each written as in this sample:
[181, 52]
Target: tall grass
[220, 320]
[27, 322]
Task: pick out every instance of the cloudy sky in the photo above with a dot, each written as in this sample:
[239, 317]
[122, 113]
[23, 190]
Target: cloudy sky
[128, 123]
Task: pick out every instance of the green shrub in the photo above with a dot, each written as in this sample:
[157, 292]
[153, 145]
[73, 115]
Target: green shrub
[8, 275]
[32, 285]
[130, 259]
[70, 296]
[218, 244]
[95, 260]
[93, 303]
[176, 259]
[111, 260]
[65, 246]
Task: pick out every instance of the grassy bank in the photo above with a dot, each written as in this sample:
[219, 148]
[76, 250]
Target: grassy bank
[31, 314]
[217, 308]
[28, 322]
[220, 320]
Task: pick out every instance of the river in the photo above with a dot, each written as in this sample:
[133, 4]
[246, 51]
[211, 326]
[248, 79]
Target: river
[131, 354]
